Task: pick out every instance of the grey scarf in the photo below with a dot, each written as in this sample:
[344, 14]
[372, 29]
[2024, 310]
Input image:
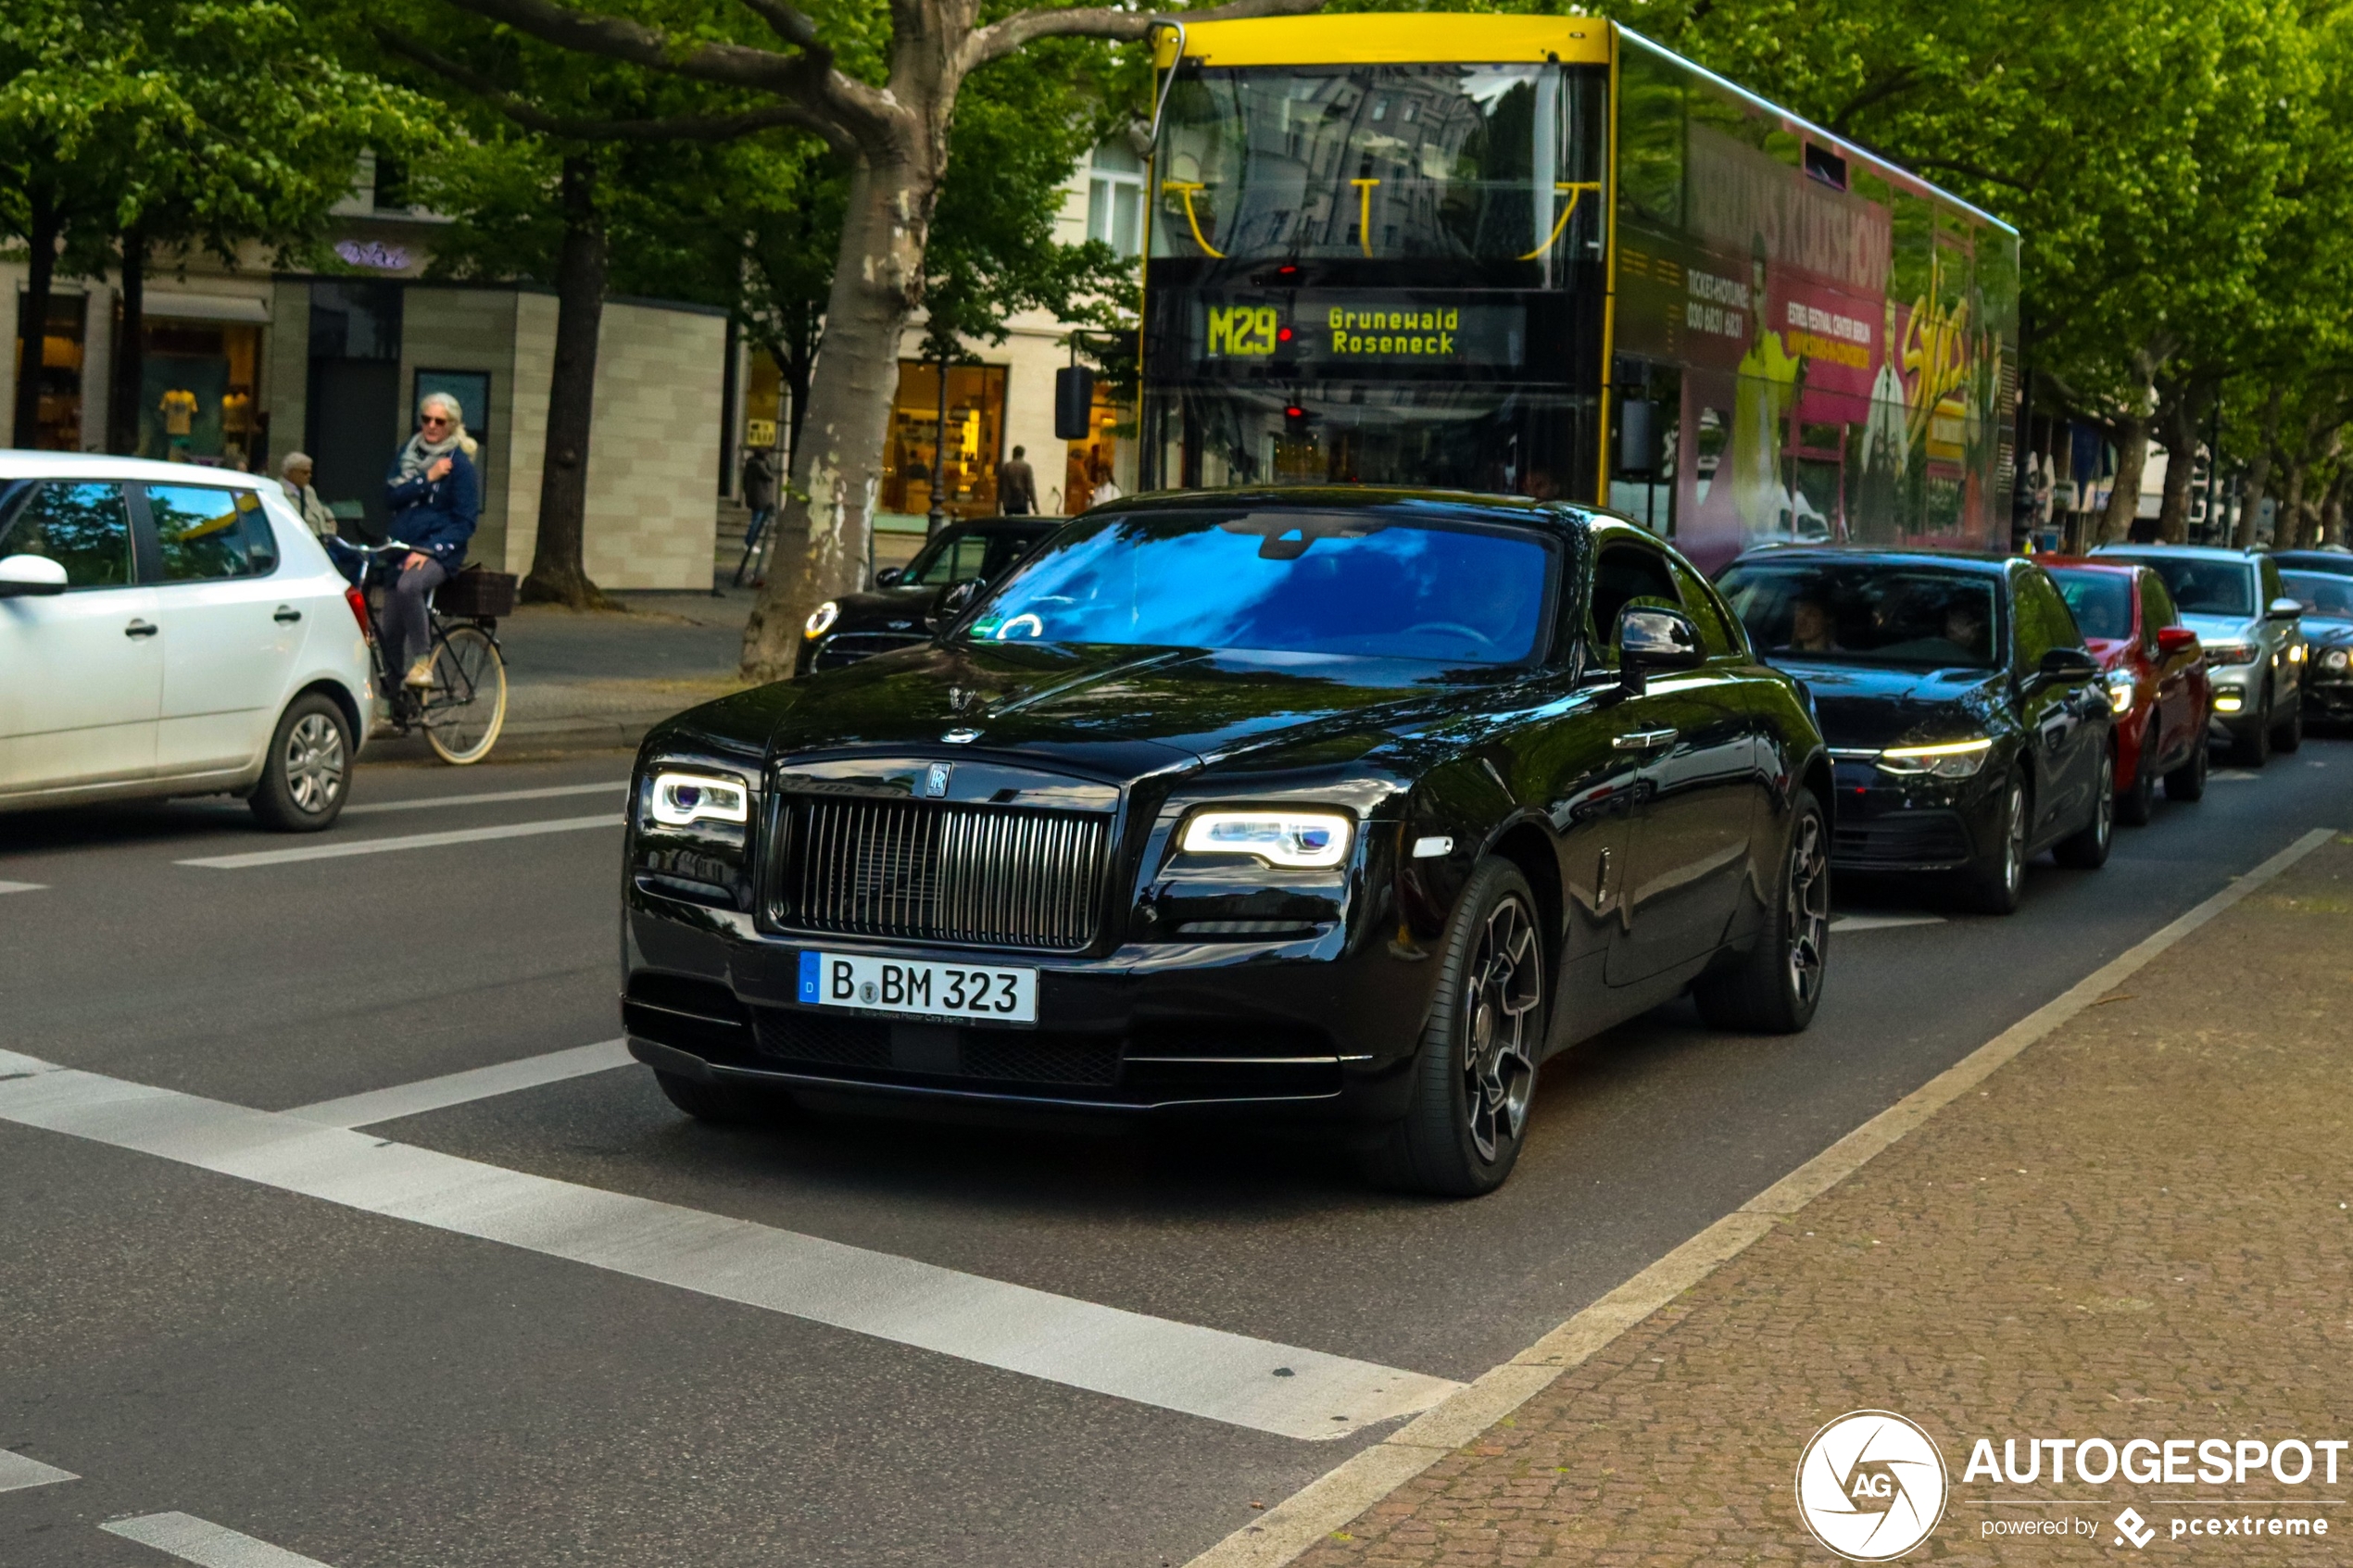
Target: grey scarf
[418, 454]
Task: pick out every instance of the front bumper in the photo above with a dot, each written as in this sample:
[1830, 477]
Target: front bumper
[1910, 825]
[1312, 1027]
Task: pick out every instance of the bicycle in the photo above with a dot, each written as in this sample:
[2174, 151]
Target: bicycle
[465, 708]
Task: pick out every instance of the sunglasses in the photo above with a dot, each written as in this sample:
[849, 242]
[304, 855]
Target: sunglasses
[434, 419]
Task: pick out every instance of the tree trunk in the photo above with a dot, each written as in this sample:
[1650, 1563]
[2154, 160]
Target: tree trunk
[2179, 423]
[837, 461]
[32, 316]
[2258, 474]
[2333, 508]
[2289, 520]
[558, 574]
[129, 349]
[2312, 527]
[2124, 494]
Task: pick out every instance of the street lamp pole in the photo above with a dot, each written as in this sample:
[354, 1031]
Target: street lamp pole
[938, 518]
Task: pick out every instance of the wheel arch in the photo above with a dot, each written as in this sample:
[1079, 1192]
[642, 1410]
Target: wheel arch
[1529, 847]
[337, 694]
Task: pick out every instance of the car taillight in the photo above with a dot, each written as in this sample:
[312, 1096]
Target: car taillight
[358, 603]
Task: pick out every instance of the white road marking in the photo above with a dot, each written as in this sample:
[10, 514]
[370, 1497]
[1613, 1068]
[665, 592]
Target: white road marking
[1285, 1531]
[1883, 922]
[2232, 775]
[200, 1541]
[17, 1473]
[1203, 1372]
[457, 1088]
[427, 802]
[22, 886]
[339, 848]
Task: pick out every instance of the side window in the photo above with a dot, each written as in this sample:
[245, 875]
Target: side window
[1623, 573]
[960, 561]
[206, 533]
[1708, 612]
[2156, 604]
[2044, 621]
[1003, 550]
[84, 528]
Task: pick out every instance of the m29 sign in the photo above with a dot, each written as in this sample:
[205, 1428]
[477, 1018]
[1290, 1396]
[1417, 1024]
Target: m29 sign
[1324, 332]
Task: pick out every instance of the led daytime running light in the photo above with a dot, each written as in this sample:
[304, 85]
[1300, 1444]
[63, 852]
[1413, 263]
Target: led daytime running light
[821, 619]
[1296, 840]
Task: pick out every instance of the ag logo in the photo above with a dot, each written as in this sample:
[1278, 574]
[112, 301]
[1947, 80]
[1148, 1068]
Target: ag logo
[1870, 1486]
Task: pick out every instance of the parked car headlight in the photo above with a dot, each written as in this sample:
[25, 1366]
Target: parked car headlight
[2119, 690]
[2295, 654]
[821, 619]
[2334, 660]
[1297, 840]
[683, 799]
[1946, 760]
[2221, 654]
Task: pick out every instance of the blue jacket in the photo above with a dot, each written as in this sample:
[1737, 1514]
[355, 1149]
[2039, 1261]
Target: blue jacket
[437, 516]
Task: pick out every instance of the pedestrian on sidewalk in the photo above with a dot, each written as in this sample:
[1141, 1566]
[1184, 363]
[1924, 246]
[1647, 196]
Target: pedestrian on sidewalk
[435, 495]
[1017, 485]
[760, 499]
[293, 478]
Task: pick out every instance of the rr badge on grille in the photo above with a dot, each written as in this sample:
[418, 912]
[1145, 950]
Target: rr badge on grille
[936, 781]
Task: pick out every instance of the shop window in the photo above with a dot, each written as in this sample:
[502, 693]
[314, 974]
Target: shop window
[1090, 463]
[61, 410]
[1115, 199]
[196, 394]
[973, 422]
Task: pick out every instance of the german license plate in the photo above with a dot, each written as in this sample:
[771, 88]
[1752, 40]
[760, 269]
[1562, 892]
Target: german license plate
[919, 988]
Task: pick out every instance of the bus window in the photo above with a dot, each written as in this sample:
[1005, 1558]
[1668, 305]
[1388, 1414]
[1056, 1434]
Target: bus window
[1650, 135]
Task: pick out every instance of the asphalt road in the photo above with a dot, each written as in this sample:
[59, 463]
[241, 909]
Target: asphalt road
[270, 1354]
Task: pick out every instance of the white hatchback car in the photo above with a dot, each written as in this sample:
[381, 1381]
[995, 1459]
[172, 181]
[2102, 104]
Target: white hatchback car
[171, 630]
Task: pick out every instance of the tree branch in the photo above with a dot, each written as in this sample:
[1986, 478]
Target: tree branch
[679, 128]
[1001, 39]
[1878, 92]
[790, 23]
[1972, 170]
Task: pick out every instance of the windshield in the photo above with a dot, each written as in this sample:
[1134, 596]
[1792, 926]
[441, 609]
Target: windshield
[2102, 601]
[1281, 582]
[1489, 161]
[1867, 611]
[2204, 587]
[2320, 593]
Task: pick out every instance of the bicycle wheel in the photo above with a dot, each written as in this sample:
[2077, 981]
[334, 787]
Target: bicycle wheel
[467, 703]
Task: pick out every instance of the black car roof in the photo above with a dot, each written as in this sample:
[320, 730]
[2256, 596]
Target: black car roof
[1460, 504]
[1984, 563]
[1005, 524]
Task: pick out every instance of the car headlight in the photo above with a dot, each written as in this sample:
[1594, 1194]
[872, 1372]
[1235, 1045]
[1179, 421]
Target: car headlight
[821, 619]
[2334, 660]
[1946, 760]
[2119, 690]
[1298, 840]
[683, 799]
[2295, 654]
[2221, 654]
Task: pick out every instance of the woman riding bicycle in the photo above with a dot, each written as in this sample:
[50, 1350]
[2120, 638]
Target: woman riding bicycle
[435, 492]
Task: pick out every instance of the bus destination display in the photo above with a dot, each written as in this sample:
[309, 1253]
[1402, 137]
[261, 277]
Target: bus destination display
[1325, 330]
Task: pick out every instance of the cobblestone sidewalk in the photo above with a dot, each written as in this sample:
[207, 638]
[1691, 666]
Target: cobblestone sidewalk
[2138, 1229]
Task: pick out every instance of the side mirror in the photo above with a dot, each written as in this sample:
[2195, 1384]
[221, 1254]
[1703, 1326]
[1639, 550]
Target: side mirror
[2068, 664]
[2172, 640]
[1653, 641]
[2282, 609]
[952, 603]
[888, 576]
[24, 575]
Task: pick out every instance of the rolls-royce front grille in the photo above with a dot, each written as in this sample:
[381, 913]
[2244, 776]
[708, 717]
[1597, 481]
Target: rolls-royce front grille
[994, 876]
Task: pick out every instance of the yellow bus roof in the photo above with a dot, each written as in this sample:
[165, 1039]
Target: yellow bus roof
[1388, 38]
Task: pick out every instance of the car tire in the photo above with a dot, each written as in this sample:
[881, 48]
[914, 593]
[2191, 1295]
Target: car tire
[1777, 985]
[2187, 782]
[2135, 806]
[2252, 745]
[726, 1104]
[2086, 848]
[1474, 1073]
[2289, 736]
[306, 774]
[1995, 881]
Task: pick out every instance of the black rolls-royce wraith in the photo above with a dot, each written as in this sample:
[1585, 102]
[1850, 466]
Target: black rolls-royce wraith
[1354, 804]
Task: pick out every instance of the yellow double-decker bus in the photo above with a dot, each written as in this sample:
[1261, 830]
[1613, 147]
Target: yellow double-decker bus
[1542, 256]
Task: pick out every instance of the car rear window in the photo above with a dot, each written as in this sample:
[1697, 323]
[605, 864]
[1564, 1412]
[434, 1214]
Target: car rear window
[1870, 612]
[2102, 601]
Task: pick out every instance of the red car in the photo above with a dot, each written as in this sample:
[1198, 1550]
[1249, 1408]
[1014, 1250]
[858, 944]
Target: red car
[2156, 672]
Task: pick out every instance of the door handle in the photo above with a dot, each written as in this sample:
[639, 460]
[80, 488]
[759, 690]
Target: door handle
[140, 629]
[1641, 740]
[287, 615]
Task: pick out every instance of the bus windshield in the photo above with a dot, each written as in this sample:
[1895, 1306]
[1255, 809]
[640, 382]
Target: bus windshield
[1491, 162]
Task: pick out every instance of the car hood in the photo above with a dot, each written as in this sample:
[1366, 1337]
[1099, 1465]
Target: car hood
[880, 606]
[1862, 706]
[1125, 712]
[2328, 633]
[2224, 628]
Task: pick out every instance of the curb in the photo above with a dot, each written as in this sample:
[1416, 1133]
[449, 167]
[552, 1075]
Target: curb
[1302, 1520]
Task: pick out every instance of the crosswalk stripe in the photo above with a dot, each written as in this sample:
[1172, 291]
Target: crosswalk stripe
[17, 1473]
[1229, 1377]
[200, 1541]
[1883, 922]
[458, 1089]
[336, 849]
[22, 886]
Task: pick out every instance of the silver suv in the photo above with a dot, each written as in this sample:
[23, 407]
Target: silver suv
[2255, 648]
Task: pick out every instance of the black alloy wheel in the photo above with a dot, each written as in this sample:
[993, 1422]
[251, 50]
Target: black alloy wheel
[2288, 735]
[1994, 880]
[1476, 1071]
[2253, 747]
[1774, 987]
[306, 774]
[2136, 805]
[2086, 848]
[2187, 782]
